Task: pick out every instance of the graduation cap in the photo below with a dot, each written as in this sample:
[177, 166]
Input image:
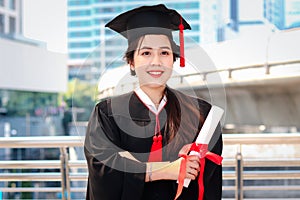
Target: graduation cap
[157, 19]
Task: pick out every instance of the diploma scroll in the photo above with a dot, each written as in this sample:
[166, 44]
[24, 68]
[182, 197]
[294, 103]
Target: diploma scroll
[207, 131]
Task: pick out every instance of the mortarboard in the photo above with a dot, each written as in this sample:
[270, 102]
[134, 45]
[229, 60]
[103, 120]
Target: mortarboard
[157, 19]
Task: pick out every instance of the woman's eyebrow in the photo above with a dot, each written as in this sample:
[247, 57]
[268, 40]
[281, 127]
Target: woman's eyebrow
[162, 47]
[165, 47]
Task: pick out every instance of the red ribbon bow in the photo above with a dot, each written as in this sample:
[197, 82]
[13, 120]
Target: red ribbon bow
[202, 149]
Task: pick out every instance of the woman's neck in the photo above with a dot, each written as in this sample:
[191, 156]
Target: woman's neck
[155, 94]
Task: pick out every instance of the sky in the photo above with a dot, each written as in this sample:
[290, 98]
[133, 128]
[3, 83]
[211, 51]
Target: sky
[46, 20]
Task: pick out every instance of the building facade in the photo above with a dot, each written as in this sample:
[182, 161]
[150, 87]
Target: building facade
[284, 14]
[261, 16]
[94, 48]
[10, 17]
[28, 69]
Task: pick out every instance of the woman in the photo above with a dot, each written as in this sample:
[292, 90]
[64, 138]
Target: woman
[133, 140]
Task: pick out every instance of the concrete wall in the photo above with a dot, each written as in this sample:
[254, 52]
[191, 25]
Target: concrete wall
[268, 105]
[28, 67]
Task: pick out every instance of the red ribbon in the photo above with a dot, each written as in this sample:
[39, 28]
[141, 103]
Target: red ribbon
[202, 149]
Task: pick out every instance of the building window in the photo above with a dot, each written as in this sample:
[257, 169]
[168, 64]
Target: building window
[75, 13]
[1, 23]
[79, 23]
[12, 4]
[2, 3]
[80, 45]
[78, 2]
[78, 55]
[12, 25]
[80, 34]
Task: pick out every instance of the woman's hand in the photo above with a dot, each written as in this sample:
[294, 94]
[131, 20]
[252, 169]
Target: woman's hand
[192, 162]
[170, 171]
[192, 167]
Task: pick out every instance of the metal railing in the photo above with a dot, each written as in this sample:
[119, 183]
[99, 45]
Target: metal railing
[203, 75]
[238, 164]
[263, 167]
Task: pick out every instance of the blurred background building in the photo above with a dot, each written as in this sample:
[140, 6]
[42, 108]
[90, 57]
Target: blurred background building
[31, 80]
[283, 14]
[94, 48]
[31, 76]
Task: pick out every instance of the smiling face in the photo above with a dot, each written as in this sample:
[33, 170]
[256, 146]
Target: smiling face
[153, 61]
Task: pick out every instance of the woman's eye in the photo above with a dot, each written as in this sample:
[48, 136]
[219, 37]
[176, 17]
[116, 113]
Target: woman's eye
[145, 53]
[165, 53]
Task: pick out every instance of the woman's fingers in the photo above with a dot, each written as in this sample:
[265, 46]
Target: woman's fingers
[191, 173]
[193, 158]
[192, 167]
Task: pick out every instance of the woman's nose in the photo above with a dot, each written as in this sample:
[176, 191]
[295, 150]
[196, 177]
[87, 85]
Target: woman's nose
[156, 60]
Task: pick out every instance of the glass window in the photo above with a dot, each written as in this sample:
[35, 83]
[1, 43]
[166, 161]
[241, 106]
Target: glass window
[100, 1]
[192, 16]
[80, 44]
[1, 23]
[12, 4]
[74, 13]
[12, 25]
[97, 32]
[196, 38]
[195, 27]
[78, 55]
[105, 10]
[78, 2]
[2, 3]
[80, 34]
[79, 23]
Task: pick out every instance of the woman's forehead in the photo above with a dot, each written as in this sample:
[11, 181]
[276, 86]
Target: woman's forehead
[154, 41]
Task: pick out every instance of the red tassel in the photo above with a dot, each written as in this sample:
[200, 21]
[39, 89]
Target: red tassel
[156, 148]
[181, 40]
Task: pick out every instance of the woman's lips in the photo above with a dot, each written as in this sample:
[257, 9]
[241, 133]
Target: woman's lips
[155, 74]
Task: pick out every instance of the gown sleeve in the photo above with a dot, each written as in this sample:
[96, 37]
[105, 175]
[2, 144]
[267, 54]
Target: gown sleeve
[110, 175]
[213, 172]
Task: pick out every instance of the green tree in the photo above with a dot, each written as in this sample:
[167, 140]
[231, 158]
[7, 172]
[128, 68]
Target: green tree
[81, 96]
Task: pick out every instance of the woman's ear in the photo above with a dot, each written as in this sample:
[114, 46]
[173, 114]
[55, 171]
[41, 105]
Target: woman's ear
[132, 69]
[131, 65]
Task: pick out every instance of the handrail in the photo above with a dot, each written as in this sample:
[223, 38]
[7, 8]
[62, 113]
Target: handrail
[49, 176]
[29, 164]
[41, 142]
[70, 170]
[262, 138]
[231, 69]
[228, 69]
[259, 162]
[77, 141]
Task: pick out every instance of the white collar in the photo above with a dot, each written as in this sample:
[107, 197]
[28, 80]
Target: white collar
[147, 101]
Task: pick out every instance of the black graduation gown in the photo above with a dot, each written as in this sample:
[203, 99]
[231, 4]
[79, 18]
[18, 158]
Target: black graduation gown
[124, 123]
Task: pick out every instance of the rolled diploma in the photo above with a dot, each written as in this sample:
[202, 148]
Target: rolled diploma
[207, 131]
